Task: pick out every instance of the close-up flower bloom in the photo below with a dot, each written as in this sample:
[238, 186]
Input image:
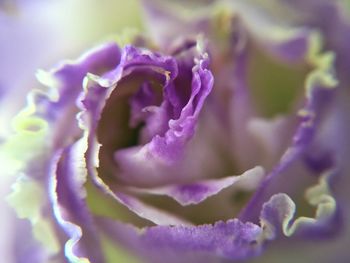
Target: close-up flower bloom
[175, 131]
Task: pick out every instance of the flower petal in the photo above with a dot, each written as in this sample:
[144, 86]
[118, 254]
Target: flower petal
[277, 214]
[92, 104]
[164, 151]
[231, 240]
[173, 122]
[197, 192]
[141, 209]
[39, 133]
[320, 85]
[67, 195]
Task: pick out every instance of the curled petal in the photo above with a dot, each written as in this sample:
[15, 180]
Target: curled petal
[39, 134]
[163, 152]
[141, 209]
[197, 192]
[277, 214]
[65, 81]
[171, 125]
[67, 196]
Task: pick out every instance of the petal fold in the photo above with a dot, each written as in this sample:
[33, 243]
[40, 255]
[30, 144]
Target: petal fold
[197, 192]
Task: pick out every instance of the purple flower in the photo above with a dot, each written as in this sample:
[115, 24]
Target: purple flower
[215, 137]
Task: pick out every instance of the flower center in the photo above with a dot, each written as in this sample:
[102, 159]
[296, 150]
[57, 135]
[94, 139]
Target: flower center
[124, 117]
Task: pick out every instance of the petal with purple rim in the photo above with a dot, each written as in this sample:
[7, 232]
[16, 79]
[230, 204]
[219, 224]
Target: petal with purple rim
[197, 192]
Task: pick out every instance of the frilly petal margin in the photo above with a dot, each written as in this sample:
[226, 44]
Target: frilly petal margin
[67, 195]
[319, 85]
[231, 240]
[38, 133]
[335, 129]
[36, 128]
[277, 214]
[64, 85]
